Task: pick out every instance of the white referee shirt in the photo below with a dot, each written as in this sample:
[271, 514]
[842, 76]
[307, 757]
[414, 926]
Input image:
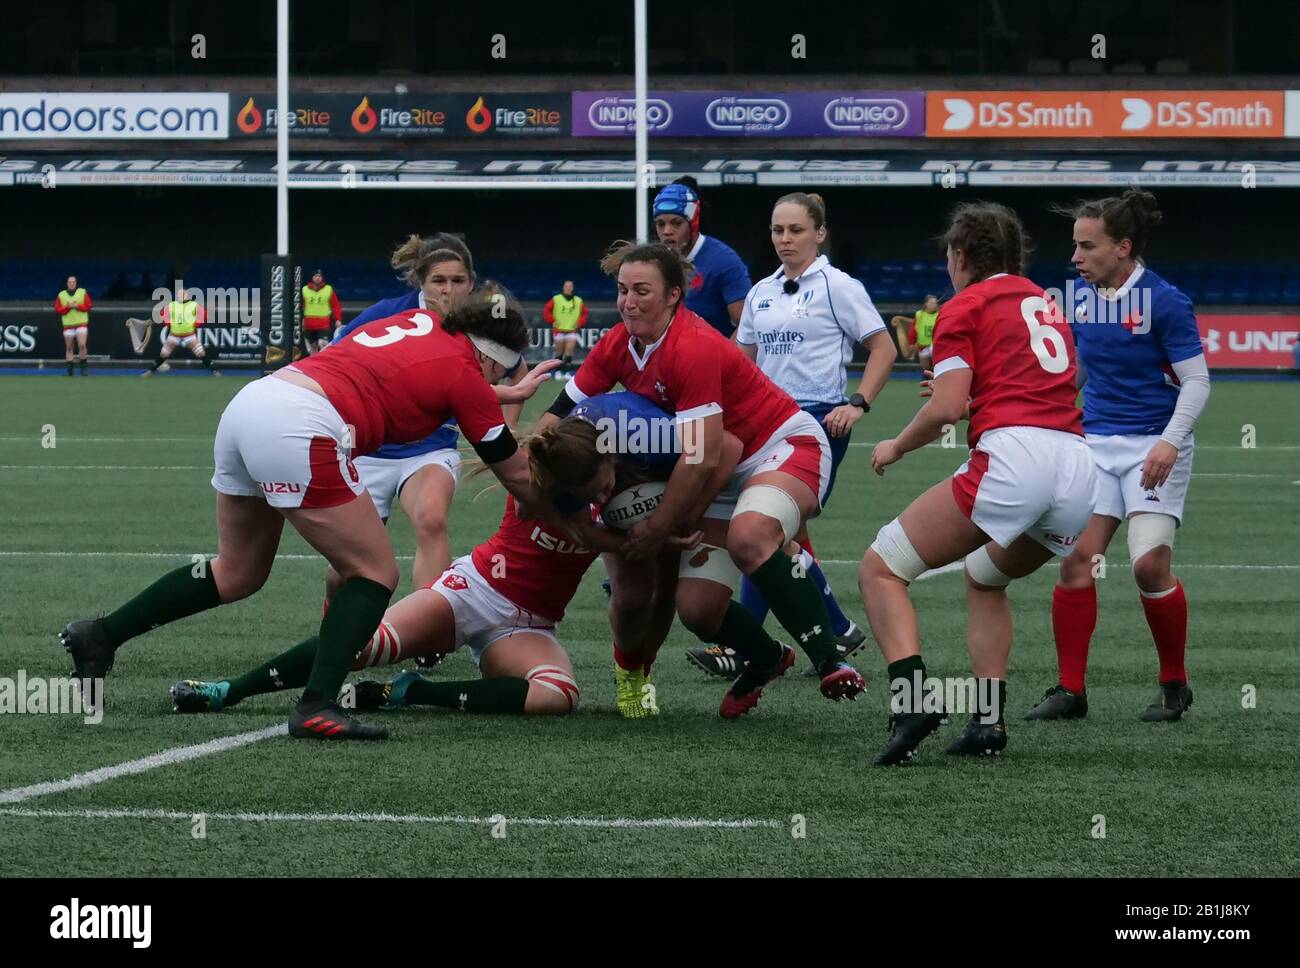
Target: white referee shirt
[806, 338]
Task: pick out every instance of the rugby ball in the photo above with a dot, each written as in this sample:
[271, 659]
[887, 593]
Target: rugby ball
[633, 504]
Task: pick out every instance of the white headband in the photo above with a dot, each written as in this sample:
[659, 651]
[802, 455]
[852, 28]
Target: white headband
[495, 351]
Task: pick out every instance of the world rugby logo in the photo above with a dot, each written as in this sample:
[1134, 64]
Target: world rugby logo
[746, 114]
[617, 113]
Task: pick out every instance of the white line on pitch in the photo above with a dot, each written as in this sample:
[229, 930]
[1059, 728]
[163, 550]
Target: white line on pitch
[113, 440]
[676, 823]
[1199, 447]
[178, 754]
[957, 566]
[105, 467]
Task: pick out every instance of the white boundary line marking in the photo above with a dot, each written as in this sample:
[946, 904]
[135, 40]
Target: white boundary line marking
[106, 467]
[944, 570]
[675, 823]
[170, 757]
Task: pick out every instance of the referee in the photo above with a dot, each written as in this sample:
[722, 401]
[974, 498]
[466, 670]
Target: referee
[800, 325]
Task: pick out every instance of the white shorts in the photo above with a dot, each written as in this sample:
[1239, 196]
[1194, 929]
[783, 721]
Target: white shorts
[483, 615]
[385, 477]
[70, 331]
[1028, 480]
[284, 443]
[1119, 477]
[189, 342]
[799, 447]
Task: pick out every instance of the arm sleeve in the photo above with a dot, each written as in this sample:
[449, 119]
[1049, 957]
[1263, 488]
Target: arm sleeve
[200, 317]
[859, 318]
[745, 332]
[475, 407]
[1176, 328]
[548, 311]
[85, 307]
[954, 346]
[165, 317]
[735, 283]
[582, 317]
[336, 308]
[1193, 392]
[60, 307]
[696, 381]
[596, 374]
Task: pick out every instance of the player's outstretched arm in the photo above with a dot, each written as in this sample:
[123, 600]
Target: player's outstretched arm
[701, 453]
[947, 405]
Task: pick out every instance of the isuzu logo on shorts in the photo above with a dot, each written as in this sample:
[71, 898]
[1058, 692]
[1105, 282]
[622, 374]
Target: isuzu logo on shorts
[280, 487]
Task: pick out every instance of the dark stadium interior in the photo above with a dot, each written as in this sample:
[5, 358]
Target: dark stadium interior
[879, 235]
[384, 37]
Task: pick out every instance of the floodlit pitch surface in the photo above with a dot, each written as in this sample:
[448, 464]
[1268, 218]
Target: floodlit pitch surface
[123, 495]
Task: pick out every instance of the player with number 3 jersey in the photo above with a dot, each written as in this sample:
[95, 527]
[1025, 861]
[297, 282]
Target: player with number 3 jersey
[1004, 356]
[283, 452]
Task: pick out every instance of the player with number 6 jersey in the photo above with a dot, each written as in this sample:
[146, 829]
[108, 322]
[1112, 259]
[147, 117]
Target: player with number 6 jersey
[283, 453]
[1004, 357]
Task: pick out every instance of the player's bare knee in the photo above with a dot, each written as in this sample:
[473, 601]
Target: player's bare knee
[700, 614]
[430, 523]
[1152, 572]
[237, 580]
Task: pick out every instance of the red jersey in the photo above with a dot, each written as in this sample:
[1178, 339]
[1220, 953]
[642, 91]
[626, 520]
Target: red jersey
[1020, 353]
[535, 569]
[399, 379]
[693, 371]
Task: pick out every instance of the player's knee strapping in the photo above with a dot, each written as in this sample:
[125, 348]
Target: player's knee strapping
[982, 570]
[770, 501]
[896, 551]
[709, 563]
[1146, 532]
[557, 680]
[384, 647]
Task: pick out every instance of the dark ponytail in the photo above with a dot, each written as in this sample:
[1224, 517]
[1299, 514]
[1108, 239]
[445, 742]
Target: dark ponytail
[1130, 216]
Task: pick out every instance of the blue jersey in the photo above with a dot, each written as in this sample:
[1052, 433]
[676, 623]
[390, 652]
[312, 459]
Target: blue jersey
[643, 435]
[720, 278]
[1128, 346]
[447, 435]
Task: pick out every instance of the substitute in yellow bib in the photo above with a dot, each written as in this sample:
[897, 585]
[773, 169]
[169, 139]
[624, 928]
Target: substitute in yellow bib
[917, 333]
[73, 306]
[182, 316]
[321, 312]
[566, 313]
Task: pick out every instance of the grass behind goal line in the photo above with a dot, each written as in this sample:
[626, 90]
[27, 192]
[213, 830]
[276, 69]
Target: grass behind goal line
[1210, 795]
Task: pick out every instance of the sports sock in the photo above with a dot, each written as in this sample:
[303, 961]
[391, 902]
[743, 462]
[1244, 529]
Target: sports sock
[741, 632]
[288, 670]
[1167, 615]
[907, 685]
[799, 607]
[1074, 617]
[632, 661]
[175, 595]
[989, 692]
[83, 366]
[839, 621]
[504, 695]
[69, 367]
[354, 614]
[753, 599]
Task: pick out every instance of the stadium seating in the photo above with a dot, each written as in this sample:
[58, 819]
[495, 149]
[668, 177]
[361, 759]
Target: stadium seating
[888, 281]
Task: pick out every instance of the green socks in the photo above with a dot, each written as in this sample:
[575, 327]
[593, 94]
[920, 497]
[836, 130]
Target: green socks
[744, 634]
[799, 606]
[186, 591]
[354, 614]
[504, 695]
[288, 670]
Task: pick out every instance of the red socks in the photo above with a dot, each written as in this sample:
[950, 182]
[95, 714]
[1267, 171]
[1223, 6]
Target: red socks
[1167, 616]
[1074, 616]
[633, 661]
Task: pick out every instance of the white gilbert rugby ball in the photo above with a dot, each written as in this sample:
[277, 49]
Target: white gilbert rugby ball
[633, 504]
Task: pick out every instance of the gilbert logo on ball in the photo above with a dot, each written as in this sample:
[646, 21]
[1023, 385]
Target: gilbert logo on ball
[632, 505]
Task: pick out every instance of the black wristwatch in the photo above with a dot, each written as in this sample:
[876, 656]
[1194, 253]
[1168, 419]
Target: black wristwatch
[857, 400]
